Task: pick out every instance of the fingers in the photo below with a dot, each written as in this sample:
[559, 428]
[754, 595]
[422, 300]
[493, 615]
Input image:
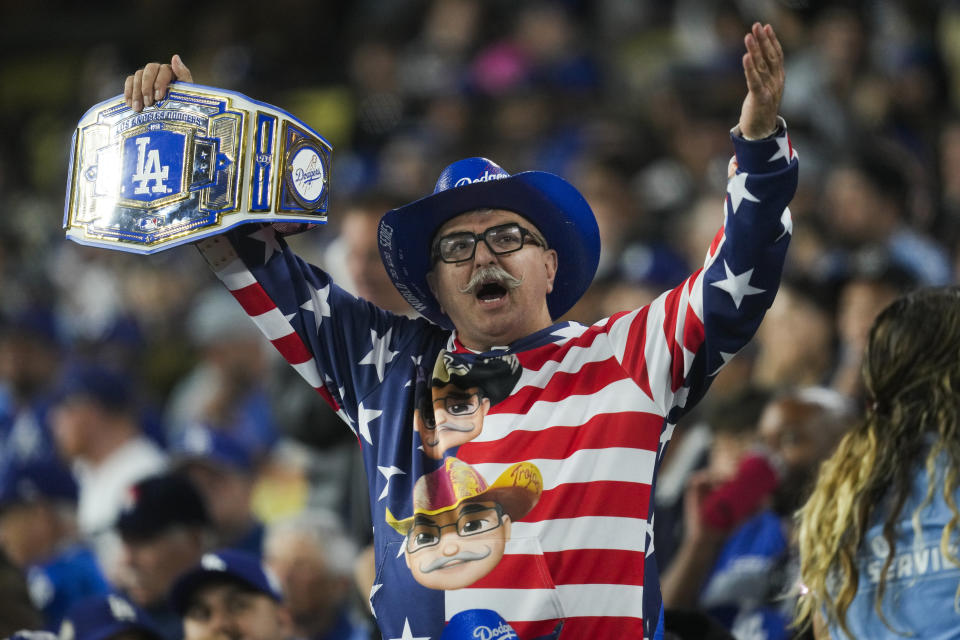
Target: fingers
[128, 91]
[150, 84]
[162, 83]
[756, 53]
[180, 70]
[763, 62]
[752, 74]
[763, 45]
[136, 95]
[772, 53]
[772, 36]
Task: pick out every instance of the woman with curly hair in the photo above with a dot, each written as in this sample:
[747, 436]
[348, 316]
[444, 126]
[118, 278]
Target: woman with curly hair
[879, 535]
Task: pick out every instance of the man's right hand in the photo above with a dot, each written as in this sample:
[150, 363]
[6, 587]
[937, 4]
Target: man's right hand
[150, 84]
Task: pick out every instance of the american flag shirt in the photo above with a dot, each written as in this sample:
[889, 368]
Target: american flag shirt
[586, 418]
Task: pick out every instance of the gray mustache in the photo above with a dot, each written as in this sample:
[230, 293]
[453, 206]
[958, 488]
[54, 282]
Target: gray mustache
[491, 273]
[464, 555]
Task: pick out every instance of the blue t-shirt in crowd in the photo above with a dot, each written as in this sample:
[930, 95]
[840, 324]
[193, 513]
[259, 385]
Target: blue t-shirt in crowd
[743, 588]
[71, 575]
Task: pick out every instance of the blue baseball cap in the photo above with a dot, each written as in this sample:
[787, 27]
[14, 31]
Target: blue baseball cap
[25, 481]
[225, 565]
[105, 386]
[201, 443]
[558, 210]
[104, 616]
[156, 504]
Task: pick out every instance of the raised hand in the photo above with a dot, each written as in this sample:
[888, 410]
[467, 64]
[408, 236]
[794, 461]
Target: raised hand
[763, 69]
[150, 84]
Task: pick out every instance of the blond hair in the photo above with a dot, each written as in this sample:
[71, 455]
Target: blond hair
[911, 371]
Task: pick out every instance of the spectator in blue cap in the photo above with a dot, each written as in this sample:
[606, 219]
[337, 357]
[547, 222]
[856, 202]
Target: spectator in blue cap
[30, 356]
[96, 429]
[108, 617]
[230, 593]
[165, 530]
[221, 466]
[38, 532]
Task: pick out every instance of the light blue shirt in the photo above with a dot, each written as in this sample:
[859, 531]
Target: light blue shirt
[921, 585]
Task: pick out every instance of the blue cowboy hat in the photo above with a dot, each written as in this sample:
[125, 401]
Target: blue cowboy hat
[551, 203]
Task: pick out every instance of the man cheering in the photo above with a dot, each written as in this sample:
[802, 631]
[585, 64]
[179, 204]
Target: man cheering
[491, 260]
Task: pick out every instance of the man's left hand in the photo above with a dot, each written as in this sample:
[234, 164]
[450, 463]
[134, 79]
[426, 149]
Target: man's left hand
[763, 69]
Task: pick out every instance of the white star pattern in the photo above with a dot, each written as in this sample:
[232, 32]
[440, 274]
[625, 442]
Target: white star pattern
[331, 386]
[407, 634]
[327, 380]
[267, 236]
[667, 433]
[737, 188]
[317, 304]
[567, 331]
[783, 149]
[380, 354]
[373, 591]
[738, 286]
[388, 472]
[787, 221]
[366, 416]
[726, 357]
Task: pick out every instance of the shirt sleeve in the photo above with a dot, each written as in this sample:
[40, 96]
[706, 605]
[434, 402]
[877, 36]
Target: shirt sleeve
[674, 347]
[341, 345]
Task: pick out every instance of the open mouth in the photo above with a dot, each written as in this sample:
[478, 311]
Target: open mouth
[491, 292]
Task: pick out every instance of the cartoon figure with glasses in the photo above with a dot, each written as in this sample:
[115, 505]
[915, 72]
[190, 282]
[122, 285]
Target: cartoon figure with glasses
[460, 525]
[461, 394]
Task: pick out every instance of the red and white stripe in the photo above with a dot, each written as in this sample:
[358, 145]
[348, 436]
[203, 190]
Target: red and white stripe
[590, 530]
[256, 303]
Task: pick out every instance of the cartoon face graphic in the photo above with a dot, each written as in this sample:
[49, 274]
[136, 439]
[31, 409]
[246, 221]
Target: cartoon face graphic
[460, 395]
[456, 417]
[454, 549]
[460, 526]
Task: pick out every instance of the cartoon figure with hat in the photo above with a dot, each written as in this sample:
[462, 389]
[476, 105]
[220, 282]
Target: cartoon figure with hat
[462, 393]
[460, 526]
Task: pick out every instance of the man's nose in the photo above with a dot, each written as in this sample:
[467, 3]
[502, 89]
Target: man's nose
[482, 255]
[222, 623]
[450, 544]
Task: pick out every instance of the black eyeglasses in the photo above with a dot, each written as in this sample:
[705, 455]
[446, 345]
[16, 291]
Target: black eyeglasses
[501, 239]
[456, 405]
[470, 523]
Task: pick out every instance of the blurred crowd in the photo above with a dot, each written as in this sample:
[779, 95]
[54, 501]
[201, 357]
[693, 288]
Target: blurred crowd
[133, 389]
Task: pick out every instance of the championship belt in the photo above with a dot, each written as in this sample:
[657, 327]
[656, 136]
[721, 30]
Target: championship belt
[199, 162]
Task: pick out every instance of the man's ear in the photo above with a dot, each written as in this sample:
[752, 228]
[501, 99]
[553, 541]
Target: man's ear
[550, 262]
